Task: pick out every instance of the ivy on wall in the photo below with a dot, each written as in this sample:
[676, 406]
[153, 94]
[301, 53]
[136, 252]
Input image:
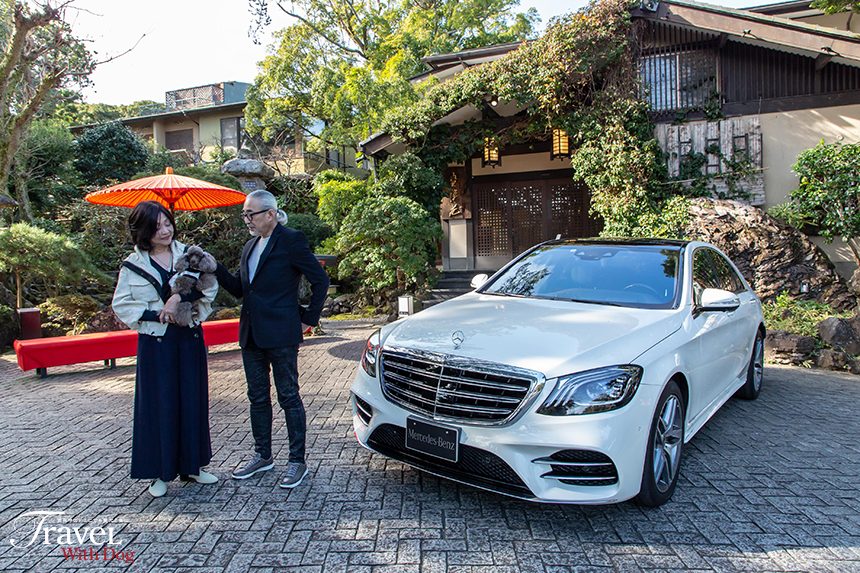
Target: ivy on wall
[579, 76]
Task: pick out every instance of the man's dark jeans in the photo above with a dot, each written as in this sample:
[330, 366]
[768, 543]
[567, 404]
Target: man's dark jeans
[284, 366]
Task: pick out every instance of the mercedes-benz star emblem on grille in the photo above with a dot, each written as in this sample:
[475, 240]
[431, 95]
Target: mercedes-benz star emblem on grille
[457, 338]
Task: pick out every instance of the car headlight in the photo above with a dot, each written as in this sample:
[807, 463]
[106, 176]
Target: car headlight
[370, 354]
[593, 391]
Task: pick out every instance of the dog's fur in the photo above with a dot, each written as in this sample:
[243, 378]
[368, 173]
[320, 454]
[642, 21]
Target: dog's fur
[194, 269]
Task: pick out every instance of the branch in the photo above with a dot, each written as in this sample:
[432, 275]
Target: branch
[23, 26]
[316, 29]
[112, 58]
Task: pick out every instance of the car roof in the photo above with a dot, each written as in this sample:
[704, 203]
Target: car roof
[620, 241]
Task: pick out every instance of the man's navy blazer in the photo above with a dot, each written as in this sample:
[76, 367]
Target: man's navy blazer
[270, 307]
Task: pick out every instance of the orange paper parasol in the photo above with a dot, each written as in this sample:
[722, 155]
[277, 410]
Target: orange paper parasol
[172, 191]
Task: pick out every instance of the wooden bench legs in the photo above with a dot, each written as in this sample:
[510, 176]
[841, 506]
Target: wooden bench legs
[42, 372]
[111, 362]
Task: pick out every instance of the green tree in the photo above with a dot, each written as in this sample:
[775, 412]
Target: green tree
[109, 152]
[347, 62]
[836, 6]
[40, 55]
[42, 172]
[828, 196]
[32, 254]
[390, 244]
[406, 175]
[338, 193]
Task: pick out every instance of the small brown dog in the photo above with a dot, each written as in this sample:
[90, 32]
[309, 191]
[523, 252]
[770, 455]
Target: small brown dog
[194, 269]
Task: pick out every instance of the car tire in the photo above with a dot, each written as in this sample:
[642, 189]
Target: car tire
[755, 371]
[664, 450]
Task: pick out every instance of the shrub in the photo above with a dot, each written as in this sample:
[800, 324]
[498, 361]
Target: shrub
[314, 229]
[8, 326]
[294, 195]
[406, 175]
[828, 196]
[390, 245]
[338, 193]
[67, 314]
[109, 152]
[797, 316]
[42, 259]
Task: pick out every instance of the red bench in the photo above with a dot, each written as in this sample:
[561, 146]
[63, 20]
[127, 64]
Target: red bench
[42, 353]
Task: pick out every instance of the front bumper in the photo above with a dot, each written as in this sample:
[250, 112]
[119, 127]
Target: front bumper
[502, 458]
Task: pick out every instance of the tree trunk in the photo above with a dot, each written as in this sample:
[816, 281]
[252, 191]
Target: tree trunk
[23, 195]
[20, 297]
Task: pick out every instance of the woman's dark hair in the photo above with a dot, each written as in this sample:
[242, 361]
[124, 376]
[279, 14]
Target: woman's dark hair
[143, 223]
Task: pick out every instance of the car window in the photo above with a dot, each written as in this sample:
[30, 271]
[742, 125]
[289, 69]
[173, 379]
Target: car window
[712, 270]
[728, 277]
[642, 276]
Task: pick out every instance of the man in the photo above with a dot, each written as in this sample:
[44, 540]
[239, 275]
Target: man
[271, 327]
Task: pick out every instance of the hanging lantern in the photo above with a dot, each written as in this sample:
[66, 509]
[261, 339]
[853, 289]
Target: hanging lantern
[491, 155]
[560, 144]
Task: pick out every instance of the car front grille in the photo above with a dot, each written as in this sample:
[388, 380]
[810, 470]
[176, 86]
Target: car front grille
[474, 466]
[579, 467]
[450, 388]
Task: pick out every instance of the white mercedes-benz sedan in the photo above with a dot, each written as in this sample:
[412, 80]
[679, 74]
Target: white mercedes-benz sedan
[575, 374]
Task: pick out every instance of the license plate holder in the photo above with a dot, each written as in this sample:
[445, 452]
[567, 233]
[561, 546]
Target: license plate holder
[433, 439]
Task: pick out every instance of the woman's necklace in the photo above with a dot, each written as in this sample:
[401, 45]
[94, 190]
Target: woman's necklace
[165, 262]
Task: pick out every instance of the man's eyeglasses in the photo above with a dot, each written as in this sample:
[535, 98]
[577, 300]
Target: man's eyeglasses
[247, 216]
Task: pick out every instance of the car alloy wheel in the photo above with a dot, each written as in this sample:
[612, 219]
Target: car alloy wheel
[665, 449]
[668, 439]
[755, 371]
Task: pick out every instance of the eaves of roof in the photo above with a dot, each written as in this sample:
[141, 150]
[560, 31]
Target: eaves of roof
[149, 118]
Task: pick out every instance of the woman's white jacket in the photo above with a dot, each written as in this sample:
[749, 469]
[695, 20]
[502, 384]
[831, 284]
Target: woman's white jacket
[134, 294]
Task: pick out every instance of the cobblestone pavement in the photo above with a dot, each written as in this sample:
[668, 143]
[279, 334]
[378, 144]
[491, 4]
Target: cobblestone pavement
[770, 485]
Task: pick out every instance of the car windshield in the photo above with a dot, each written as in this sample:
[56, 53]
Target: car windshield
[640, 276]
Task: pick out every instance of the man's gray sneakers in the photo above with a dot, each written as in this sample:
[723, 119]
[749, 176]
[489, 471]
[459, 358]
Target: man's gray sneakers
[296, 472]
[255, 466]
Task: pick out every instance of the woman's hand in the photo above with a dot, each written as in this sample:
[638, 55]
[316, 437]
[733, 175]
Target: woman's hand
[168, 313]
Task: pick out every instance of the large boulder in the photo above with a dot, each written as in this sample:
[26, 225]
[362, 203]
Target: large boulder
[784, 347]
[772, 256]
[840, 334]
[249, 168]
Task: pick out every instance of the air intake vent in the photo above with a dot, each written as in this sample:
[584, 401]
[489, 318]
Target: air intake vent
[579, 467]
[363, 409]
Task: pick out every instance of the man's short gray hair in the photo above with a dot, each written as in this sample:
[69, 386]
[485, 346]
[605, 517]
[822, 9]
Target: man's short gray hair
[268, 201]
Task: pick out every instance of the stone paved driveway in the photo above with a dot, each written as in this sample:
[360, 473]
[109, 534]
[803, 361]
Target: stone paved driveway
[770, 485]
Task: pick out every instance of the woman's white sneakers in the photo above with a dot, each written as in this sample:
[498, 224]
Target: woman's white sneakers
[204, 477]
[157, 488]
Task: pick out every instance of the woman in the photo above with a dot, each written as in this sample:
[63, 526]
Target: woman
[171, 396]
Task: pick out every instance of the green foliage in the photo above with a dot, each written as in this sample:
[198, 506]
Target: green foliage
[8, 326]
[162, 159]
[101, 232]
[406, 175]
[837, 6]
[828, 196]
[294, 195]
[338, 193]
[67, 314]
[43, 169]
[109, 153]
[797, 316]
[579, 76]
[346, 64]
[70, 109]
[314, 229]
[390, 244]
[37, 256]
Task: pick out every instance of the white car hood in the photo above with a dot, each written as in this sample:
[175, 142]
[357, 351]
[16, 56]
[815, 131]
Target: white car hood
[552, 337]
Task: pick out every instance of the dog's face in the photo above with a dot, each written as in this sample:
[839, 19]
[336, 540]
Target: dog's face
[196, 259]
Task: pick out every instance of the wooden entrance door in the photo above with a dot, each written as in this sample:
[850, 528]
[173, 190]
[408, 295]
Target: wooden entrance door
[512, 216]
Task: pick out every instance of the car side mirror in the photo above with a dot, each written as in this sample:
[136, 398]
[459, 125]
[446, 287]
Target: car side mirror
[478, 280]
[719, 300]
